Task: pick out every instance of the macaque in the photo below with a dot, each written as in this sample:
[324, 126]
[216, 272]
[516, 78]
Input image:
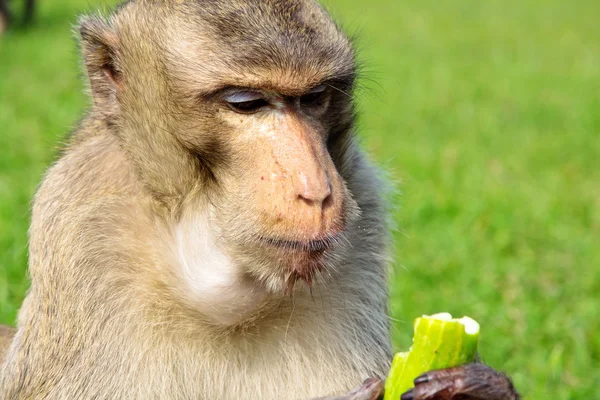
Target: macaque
[211, 230]
[6, 15]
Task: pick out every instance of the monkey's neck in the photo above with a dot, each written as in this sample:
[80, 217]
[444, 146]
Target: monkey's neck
[213, 284]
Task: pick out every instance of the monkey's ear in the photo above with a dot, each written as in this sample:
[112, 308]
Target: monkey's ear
[101, 51]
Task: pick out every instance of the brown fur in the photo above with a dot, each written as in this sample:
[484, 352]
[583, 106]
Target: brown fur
[6, 335]
[109, 314]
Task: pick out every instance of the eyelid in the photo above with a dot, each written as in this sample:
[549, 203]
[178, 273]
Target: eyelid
[318, 89]
[242, 97]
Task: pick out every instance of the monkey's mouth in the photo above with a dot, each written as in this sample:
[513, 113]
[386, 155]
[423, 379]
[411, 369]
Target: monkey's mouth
[310, 246]
[295, 261]
[305, 260]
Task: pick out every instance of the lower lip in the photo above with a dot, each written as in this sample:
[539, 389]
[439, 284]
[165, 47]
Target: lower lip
[313, 246]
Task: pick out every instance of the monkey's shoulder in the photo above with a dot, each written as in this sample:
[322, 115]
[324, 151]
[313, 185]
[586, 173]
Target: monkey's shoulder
[6, 335]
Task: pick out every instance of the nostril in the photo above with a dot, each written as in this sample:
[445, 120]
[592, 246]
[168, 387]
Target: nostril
[328, 201]
[314, 190]
[307, 200]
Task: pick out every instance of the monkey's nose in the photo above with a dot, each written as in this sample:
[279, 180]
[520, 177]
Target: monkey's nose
[314, 190]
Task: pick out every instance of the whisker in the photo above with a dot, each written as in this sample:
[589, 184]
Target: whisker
[340, 90]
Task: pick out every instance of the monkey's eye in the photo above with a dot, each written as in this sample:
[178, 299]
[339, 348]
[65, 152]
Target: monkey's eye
[315, 98]
[246, 102]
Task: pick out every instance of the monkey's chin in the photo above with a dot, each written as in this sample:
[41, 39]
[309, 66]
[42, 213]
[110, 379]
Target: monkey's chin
[296, 263]
[305, 268]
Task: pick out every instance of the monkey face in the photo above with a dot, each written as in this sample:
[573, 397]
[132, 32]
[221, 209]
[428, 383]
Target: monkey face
[268, 123]
[278, 200]
[288, 205]
[246, 108]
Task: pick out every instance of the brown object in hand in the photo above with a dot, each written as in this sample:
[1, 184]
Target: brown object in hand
[467, 382]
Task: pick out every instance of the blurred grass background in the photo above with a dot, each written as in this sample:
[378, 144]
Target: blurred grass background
[486, 114]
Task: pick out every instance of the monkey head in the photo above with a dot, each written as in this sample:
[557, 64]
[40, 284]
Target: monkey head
[236, 116]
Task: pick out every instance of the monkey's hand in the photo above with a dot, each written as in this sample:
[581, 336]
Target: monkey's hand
[467, 382]
[371, 389]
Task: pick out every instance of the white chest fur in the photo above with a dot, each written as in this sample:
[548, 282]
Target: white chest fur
[215, 283]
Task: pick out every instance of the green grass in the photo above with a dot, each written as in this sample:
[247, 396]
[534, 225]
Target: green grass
[486, 115]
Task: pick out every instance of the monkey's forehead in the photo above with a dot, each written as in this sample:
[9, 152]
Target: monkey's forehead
[292, 44]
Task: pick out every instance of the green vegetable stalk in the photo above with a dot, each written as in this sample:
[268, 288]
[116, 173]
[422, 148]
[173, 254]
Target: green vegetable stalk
[439, 342]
